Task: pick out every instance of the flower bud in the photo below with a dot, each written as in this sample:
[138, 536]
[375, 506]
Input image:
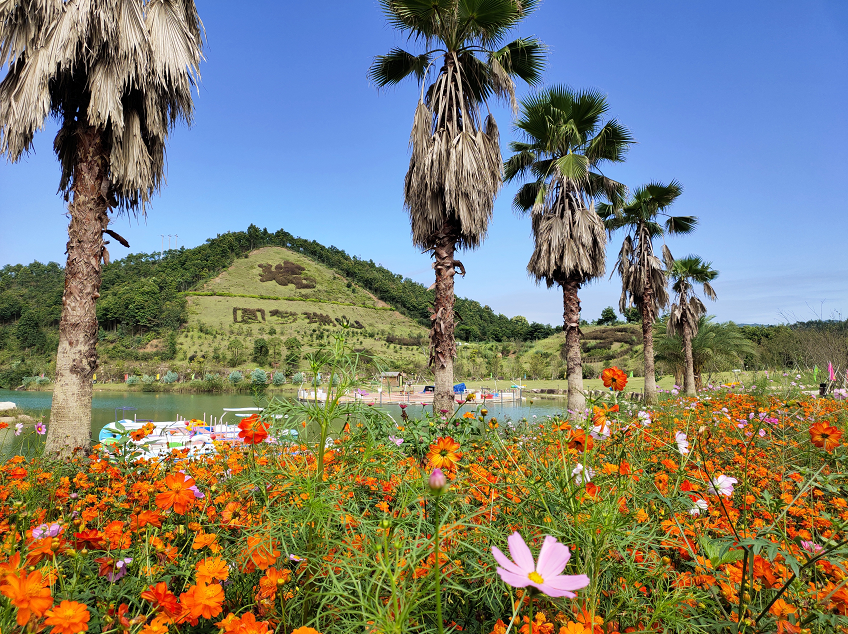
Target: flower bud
[438, 482]
[484, 411]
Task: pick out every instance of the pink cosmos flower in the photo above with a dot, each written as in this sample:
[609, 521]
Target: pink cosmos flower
[396, 440]
[811, 547]
[545, 575]
[723, 485]
[40, 428]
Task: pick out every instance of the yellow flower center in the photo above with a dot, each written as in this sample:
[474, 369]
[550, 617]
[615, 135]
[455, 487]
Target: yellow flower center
[535, 577]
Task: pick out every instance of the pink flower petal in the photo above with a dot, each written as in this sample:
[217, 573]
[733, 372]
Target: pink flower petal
[507, 564]
[567, 582]
[552, 558]
[514, 580]
[520, 552]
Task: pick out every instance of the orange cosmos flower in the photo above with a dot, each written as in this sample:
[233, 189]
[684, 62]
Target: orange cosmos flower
[253, 430]
[305, 630]
[178, 493]
[444, 453]
[261, 553]
[825, 436]
[202, 540]
[158, 625]
[27, 593]
[579, 440]
[470, 415]
[202, 601]
[615, 378]
[69, 617]
[163, 600]
[247, 624]
[212, 569]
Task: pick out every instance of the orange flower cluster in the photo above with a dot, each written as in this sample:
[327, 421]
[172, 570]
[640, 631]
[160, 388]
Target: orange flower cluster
[226, 542]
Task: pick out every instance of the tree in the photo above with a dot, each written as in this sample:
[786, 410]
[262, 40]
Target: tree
[566, 140]
[608, 317]
[455, 170]
[275, 345]
[260, 351]
[716, 347]
[28, 332]
[643, 278]
[632, 315]
[235, 346]
[292, 353]
[117, 76]
[687, 310]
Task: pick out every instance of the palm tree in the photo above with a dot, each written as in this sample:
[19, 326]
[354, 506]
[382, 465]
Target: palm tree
[455, 170]
[117, 75]
[686, 311]
[566, 140]
[716, 347]
[643, 279]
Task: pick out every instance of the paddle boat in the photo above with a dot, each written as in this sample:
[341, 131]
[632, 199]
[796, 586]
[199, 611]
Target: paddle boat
[195, 435]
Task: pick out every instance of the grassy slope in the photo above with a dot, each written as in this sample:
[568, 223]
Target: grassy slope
[331, 297]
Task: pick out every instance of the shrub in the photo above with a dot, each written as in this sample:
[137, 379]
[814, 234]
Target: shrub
[147, 379]
[297, 378]
[209, 376]
[590, 372]
[259, 377]
[133, 380]
[235, 377]
[170, 377]
[279, 378]
[42, 380]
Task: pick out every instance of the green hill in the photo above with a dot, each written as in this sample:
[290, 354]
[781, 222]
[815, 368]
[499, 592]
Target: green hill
[161, 311]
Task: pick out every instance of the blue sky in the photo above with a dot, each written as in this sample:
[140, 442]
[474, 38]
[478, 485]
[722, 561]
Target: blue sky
[743, 102]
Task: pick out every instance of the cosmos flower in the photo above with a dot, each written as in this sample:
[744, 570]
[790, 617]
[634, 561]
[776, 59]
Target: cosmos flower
[444, 453]
[396, 440]
[614, 378]
[825, 436]
[544, 575]
[69, 617]
[682, 443]
[40, 428]
[723, 485]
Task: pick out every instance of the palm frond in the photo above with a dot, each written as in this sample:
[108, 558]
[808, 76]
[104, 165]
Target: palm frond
[681, 225]
[397, 66]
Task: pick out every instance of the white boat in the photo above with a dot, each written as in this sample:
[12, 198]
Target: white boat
[195, 435]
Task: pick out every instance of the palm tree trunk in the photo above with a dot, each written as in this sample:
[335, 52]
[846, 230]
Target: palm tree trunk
[442, 342]
[574, 364]
[648, 344]
[76, 361]
[689, 370]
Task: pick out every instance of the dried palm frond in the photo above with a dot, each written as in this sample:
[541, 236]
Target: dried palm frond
[126, 67]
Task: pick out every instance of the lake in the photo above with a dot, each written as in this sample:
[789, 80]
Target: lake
[159, 406]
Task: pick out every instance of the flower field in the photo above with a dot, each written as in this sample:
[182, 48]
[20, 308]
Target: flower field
[723, 514]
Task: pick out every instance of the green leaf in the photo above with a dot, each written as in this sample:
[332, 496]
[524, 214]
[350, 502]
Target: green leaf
[523, 58]
[397, 66]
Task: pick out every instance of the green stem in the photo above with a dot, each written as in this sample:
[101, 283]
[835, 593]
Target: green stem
[439, 624]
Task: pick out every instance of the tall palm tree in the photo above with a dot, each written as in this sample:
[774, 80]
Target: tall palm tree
[643, 278]
[117, 75]
[686, 311]
[565, 142]
[455, 170]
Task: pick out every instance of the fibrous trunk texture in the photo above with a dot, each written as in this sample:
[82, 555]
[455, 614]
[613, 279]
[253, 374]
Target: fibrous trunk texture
[648, 343]
[76, 362]
[574, 363]
[689, 370]
[442, 342]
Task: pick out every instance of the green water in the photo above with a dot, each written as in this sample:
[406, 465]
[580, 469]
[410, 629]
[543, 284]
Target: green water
[158, 406]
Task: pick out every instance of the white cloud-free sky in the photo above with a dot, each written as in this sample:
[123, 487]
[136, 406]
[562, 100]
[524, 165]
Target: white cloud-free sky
[743, 102]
